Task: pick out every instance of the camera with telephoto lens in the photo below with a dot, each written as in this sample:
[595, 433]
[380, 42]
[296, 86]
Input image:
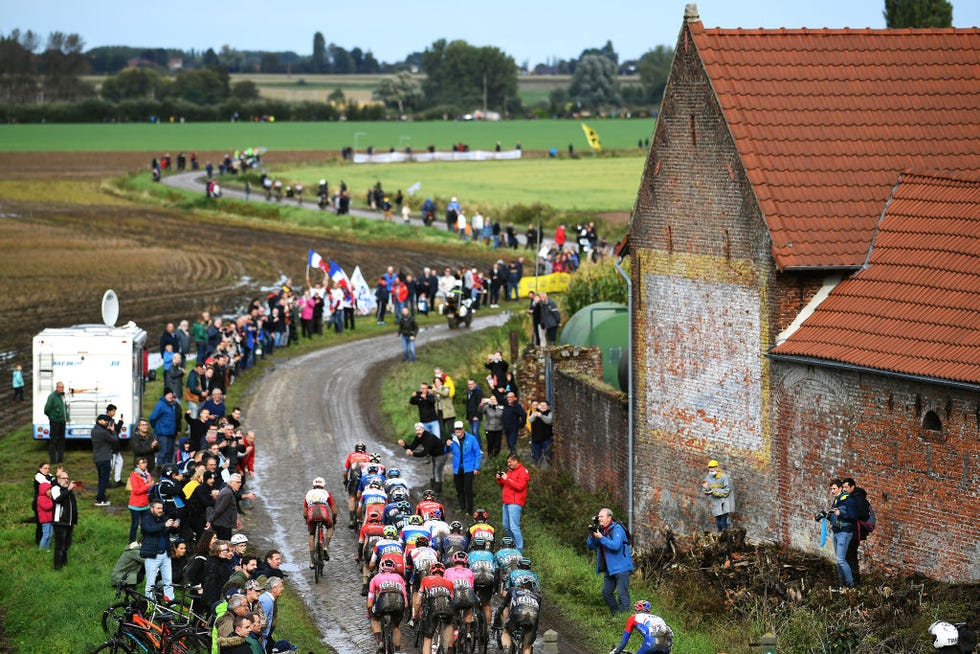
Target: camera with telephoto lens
[594, 527]
[500, 473]
[819, 515]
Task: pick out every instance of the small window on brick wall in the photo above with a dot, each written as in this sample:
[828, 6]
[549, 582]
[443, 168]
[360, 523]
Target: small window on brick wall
[932, 428]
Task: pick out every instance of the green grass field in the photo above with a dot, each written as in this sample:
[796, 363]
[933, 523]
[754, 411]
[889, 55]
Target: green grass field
[576, 185]
[620, 134]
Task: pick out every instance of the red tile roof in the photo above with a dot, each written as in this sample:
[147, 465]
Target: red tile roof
[914, 308]
[826, 119]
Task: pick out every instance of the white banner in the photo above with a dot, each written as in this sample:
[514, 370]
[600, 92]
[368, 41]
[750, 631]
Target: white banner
[366, 302]
[472, 155]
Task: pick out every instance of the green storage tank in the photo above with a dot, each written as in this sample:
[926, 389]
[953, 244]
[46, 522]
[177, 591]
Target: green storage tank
[605, 325]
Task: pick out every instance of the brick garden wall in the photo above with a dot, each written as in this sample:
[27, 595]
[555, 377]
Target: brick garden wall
[591, 441]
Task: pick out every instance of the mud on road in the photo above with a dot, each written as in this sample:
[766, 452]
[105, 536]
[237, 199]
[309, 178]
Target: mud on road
[308, 413]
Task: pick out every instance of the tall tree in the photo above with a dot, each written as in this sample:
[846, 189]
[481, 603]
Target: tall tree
[918, 13]
[595, 85]
[319, 59]
[63, 63]
[341, 60]
[131, 84]
[461, 75]
[18, 82]
[211, 58]
[402, 91]
[654, 67]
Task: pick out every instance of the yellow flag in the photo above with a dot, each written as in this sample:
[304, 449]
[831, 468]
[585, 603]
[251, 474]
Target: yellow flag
[592, 137]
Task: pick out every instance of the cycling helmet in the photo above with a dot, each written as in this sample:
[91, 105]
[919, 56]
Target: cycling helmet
[390, 532]
[399, 494]
[525, 563]
[376, 483]
[945, 634]
[375, 457]
[428, 494]
[422, 541]
[415, 520]
[404, 506]
[642, 606]
[386, 565]
[374, 516]
[168, 470]
[456, 527]
[507, 541]
[437, 568]
[435, 514]
[460, 558]
[480, 515]
[322, 182]
[526, 582]
[372, 470]
[360, 447]
[478, 543]
[394, 472]
[319, 482]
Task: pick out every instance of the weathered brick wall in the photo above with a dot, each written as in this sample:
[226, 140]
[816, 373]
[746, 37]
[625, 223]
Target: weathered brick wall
[924, 485]
[591, 441]
[586, 360]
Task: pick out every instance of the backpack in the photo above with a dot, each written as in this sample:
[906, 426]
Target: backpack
[867, 525]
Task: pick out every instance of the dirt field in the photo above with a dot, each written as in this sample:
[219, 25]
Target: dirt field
[60, 256]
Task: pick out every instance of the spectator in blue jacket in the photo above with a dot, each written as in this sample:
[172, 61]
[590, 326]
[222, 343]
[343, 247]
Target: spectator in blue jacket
[165, 420]
[155, 549]
[466, 463]
[614, 559]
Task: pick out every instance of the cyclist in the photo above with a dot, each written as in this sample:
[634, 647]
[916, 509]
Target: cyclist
[318, 507]
[438, 528]
[414, 527]
[480, 527]
[523, 572]
[393, 480]
[388, 548]
[508, 558]
[352, 478]
[520, 607]
[370, 534]
[373, 497]
[464, 593]
[370, 472]
[483, 565]
[657, 636]
[420, 560]
[395, 512]
[386, 595]
[454, 541]
[434, 601]
[429, 503]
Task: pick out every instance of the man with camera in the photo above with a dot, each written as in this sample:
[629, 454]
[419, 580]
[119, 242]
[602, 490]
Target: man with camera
[614, 559]
[513, 490]
[425, 400]
[155, 549]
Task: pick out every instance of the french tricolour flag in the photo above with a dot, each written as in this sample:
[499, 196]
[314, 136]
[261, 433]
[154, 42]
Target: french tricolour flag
[314, 260]
[338, 275]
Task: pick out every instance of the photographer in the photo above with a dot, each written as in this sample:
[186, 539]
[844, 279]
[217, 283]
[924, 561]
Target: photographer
[425, 400]
[614, 559]
[513, 489]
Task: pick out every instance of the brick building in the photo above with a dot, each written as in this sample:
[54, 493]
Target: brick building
[773, 174]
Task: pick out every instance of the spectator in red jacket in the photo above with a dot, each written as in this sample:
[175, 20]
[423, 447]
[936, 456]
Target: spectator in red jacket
[513, 486]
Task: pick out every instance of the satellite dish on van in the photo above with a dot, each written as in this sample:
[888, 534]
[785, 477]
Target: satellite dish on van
[110, 308]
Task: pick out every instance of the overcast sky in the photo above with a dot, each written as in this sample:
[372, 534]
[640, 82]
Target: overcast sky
[532, 31]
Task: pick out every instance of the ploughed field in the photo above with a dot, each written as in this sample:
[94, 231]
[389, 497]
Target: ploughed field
[65, 242]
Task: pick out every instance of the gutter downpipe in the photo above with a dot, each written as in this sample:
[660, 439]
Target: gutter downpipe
[629, 398]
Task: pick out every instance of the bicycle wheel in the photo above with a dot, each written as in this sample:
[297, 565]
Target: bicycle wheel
[113, 615]
[188, 640]
[113, 646]
[437, 644]
[318, 553]
[387, 635]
